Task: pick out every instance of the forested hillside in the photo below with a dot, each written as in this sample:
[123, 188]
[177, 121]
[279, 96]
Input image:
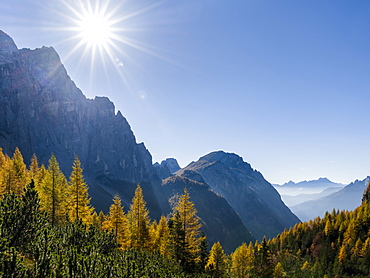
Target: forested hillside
[49, 229]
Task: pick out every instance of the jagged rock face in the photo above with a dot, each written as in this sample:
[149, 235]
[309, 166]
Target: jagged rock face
[43, 112]
[252, 197]
[220, 221]
[171, 164]
[166, 168]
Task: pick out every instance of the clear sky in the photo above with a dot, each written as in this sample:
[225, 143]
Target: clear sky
[284, 84]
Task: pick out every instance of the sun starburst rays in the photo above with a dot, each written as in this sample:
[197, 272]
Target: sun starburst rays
[106, 35]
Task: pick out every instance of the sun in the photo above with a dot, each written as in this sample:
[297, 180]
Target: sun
[102, 35]
[95, 30]
[93, 24]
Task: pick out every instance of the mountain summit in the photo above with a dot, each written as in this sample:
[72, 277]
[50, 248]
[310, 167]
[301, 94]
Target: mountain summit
[250, 195]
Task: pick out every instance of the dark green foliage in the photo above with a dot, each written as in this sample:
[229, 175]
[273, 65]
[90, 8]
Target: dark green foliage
[31, 247]
[179, 246]
[21, 224]
[22, 219]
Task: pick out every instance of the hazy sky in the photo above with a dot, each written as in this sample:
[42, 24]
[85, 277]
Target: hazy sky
[284, 84]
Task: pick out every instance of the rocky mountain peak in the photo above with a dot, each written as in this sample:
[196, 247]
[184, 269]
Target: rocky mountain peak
[250, 195]
[232, 160]
[171, 164]
[167, 168]
[7, 45]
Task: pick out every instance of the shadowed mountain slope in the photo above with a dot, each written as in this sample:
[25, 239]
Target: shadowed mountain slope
[220, 221]
[255, 200]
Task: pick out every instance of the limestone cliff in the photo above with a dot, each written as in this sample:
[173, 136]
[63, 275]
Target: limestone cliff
[43, 112]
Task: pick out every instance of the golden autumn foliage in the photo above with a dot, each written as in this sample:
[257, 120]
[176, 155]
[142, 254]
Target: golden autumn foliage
[117, 222]
[78, 197]
[53, 192]
[187, 213]
[138, 222]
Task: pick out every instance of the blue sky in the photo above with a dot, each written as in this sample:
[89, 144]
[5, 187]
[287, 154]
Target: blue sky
[284, 84]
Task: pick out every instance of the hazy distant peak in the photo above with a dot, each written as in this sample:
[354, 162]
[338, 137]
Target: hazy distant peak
[321, 180]
[311, 182]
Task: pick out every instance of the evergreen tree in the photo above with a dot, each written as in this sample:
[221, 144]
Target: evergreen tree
[203, 252]
[22, 220]
[179, 247]
[265, 267]
[138, 222]
[117, 222]
[79, 201]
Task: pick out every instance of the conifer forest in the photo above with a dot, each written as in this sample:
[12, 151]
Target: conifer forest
[49, 229]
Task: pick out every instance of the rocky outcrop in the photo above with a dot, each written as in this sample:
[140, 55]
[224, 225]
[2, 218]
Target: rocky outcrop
[255, 200]
[166, 168]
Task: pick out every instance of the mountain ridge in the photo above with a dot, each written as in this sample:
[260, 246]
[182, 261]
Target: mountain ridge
[252, 197]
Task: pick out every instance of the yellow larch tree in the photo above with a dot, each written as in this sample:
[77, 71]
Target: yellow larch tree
[242, 261]
[190, 224]
[6, 174]
[41, 175]
[161, 240]
[14, 173]
[138, 222]
[217, 262]
[117, 221]
[53, 192]
[279, 271]
[78, 197]
[34, 167]
[21, 178]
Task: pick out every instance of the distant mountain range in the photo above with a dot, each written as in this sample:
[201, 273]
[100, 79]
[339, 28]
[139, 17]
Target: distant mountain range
[43, 112]
[306, 187]
[348, 198]
[301, 198]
